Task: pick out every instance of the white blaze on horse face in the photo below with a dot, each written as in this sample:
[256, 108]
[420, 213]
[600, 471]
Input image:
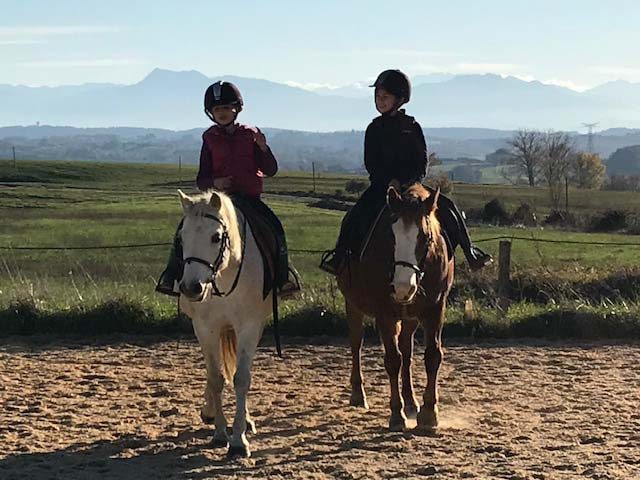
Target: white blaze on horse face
[405, 279]
[198, 240]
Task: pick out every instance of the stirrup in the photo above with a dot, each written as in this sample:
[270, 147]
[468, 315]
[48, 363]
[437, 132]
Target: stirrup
[479, 259]
[328, 262]
[293, 284]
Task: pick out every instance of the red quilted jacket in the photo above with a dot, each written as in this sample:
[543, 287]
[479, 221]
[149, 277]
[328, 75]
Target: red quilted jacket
[234, 154]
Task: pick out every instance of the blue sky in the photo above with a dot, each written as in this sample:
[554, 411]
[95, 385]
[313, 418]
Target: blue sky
[573, 43]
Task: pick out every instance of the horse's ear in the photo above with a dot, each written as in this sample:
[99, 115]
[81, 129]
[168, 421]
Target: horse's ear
[431, 202]
[215, 201]
[393, 197]
[185, 200]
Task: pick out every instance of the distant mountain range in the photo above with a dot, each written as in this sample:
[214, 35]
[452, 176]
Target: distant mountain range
[173, 100]
[295, 150]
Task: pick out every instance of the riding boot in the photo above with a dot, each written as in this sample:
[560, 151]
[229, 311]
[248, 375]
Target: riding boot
[477, 258]
[287, 277]
[333, 261]
[453, 222]
[169, 278]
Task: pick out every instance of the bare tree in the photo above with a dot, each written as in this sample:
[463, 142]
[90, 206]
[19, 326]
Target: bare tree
[432, 161]
[528, 151]
[558, 152]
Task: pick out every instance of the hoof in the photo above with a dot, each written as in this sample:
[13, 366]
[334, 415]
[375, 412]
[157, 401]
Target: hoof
[359, 401]
[220, 439]
[238, 451]
[428, 419]
[411, 412]
[207, 420]
[397, 424]
[219, 443]
[251, 426]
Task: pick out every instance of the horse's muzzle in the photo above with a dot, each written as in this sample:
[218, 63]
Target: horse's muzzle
[194, 292]
[404, 295]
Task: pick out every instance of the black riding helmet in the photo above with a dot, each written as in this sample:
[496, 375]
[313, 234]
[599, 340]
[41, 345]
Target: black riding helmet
[222, 93]
[394, 82]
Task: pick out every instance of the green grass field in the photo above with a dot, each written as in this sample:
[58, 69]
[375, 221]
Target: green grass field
[78, 204]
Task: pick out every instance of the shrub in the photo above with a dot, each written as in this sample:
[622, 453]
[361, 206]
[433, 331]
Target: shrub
[495, 212]
[355, 186]
[442, 182]
[560, 218]
[609, 221]
[525, 215]
[633, 224]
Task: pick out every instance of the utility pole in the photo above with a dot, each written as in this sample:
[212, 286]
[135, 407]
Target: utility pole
[590, 126]
[15, 164]
[180, 168]
[313, 173]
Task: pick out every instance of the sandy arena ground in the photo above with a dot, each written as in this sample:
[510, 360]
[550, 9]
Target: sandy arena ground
[129, 408]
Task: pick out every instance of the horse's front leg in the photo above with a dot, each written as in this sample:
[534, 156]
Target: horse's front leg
[428, 416]
[356, 335]
[389, 330]
[212, 411]
[407, 331]
[246, 350]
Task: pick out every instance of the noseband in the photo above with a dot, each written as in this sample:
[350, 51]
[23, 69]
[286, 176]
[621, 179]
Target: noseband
[215, 266]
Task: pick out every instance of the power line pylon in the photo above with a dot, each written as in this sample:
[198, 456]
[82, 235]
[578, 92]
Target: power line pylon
[590, 126]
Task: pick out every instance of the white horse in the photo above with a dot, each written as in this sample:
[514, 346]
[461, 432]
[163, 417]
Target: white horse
[223, 297]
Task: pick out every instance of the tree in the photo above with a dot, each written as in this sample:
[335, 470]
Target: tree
[625, 161]
[528, 151]
[588, 170]
[432, 161]
[355, 186]
[466, 174]
[556, 162]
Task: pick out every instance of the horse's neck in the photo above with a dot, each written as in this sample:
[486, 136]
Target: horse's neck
[237, 240]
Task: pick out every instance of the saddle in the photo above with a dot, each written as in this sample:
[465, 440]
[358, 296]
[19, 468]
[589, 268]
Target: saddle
[267, 242]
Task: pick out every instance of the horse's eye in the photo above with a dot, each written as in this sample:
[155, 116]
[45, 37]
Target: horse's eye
[215, 238]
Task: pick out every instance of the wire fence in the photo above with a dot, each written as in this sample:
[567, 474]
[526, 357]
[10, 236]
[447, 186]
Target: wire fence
[313, 251]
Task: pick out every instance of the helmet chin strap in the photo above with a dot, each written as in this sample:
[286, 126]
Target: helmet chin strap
[223, 125]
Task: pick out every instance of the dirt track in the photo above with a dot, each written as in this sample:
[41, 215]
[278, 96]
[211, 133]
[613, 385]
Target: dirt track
[130, 410]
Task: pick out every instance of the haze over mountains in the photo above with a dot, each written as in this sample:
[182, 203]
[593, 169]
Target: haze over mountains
[173, 100]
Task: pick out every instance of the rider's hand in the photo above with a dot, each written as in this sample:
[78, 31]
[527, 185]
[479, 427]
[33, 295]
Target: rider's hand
[260, 140]
[223, 183]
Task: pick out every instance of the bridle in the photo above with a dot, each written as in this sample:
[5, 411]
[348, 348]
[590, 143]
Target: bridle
[215, 266]
[416, 268]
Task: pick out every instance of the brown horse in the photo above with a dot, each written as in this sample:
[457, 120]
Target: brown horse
[402, 279]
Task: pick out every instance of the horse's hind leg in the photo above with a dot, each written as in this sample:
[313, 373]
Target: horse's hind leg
[428, 416]
[356, 335]
[406, 349]
[389, 330]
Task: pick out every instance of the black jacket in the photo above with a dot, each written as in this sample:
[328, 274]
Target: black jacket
[394, 148]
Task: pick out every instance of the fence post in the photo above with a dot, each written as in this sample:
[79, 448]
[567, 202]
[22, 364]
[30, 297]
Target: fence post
[313, 175]
[504, 271]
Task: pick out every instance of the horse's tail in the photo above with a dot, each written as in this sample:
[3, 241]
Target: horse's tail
[228, 353]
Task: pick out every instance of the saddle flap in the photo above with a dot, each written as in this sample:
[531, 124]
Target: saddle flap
[267, 242]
